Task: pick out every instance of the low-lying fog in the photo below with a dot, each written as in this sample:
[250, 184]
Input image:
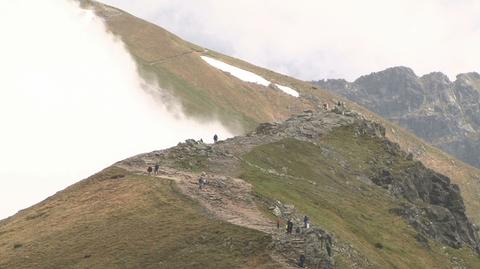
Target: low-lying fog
[72, 102]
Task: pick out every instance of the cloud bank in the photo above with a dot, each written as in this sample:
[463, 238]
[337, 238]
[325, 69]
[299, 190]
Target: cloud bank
[72, 102]
[314, 39]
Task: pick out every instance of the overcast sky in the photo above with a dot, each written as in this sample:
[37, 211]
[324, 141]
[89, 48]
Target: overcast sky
[314, 39]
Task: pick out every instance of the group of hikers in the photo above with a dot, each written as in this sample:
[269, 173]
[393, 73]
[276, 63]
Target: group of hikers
[338, 105]
[289, 225]
[154, 169]
[202, 182]
[306, 225]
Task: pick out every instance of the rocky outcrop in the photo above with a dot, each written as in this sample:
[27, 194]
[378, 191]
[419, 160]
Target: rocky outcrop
[435, 207]
[442, 112]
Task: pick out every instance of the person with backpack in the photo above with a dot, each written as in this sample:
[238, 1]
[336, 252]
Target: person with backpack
[149, 170]
[215, 138]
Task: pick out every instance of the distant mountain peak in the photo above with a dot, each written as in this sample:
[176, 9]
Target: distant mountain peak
[444, 113]
[437, 76]
[468, 76]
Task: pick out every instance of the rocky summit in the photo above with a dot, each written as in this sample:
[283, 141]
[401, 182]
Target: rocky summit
[444, 113]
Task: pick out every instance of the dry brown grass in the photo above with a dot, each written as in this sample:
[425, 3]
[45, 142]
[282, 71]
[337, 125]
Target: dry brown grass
[128, 222]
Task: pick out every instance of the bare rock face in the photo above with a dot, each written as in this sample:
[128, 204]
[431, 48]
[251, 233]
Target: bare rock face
[435, 207]
[442, 112]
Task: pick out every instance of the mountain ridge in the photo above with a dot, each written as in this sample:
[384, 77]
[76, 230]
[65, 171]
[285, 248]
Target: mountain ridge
[357, 176]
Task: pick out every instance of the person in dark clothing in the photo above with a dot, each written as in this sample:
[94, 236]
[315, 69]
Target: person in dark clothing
[149, 170]
[301, 261]
[278, 223]
[289, 227]
[329, 250]
[157, 167]
[305, 221]
[215, 138]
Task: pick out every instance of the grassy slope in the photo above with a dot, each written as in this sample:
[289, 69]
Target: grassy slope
[209, 93]
[336, 200]
[132, 222]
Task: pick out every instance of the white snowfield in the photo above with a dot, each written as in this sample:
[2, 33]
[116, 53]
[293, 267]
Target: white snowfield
[288, 90]
[236, 72]
[246, 76]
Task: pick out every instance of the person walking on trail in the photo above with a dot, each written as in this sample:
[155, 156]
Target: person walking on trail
[202, 180]
[157, 167]
[289, 227]
[278, 223]
[149, 170]
[301, 261]
[306, 222]
[215, 138]
[328, 245]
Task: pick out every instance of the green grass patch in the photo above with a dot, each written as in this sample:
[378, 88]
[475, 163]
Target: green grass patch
[325, 185]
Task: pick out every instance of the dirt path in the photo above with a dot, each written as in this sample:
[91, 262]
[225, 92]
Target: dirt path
[228, 199]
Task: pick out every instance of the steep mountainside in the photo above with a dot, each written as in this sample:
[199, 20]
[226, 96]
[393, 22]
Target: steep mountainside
[443, 113]
[371, 202]
[206, 92]
[370, 205]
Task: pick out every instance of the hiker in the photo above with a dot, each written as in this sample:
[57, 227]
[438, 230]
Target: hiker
[215, 138]
[297, 230]
[289, 227]
[202, 180]
[301, 261]
[278, 223]
[329, 250]
[149, 170]
[157, 167]
[306, 222]
[328, 245]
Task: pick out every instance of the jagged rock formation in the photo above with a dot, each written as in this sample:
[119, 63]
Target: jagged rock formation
[435, 207]
[444, 113]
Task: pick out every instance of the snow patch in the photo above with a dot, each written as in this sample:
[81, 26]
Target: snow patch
[246, 75]
[237, 72]
[288, 90]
